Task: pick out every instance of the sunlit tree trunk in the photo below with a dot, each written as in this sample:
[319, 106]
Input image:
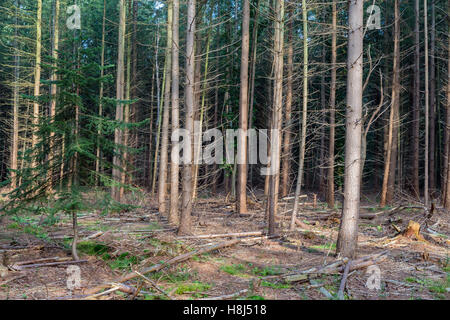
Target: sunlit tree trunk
[243, 112]
[120, 85]
[391, 159]
[302, 151]
[100, 97]
[416, 104]
[16, 101]
[162, 179]
[185, 222]
[348, 230]
[277, 117]
[174, 166]
[427, 106]
[330, 175]
[433, 99]
[288, 111]
[37, 79]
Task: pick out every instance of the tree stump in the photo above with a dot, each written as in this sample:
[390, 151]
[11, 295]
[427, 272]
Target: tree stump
[413, 231]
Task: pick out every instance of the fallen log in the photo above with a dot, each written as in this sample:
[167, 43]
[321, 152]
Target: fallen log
[338, 266]
[227, 296]
[51, 264]
[225, 235]
[170, 262]
[344, 281]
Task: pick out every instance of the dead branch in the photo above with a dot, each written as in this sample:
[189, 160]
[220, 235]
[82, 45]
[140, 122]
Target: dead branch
[237, 234]
[170, 262]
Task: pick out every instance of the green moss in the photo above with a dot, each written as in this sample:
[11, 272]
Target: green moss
[93, 248]
[195, 286]
[275, 285]
[234, 269]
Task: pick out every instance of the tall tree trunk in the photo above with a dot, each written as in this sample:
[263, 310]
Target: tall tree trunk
[391, 161]
[37, 80]
[427, 106]
[446, 195]
[126, 136]
[433, 98]
[16, 101]
[100, 98]
[348, 230]
[416, 104]
[162, 179]
[304, 115]
[185, 222]
[243, 112]
[288, 103]
[174, 165]
[330, 175]
[115, 194]
[277, 117]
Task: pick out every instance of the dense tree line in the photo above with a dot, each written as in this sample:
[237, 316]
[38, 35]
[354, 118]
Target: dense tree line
[356, 111]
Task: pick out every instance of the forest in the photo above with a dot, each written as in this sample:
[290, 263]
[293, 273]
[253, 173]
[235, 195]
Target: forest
[224, 149]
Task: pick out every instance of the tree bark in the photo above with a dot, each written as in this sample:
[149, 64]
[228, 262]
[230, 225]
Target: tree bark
[330, 175]
[243, 112]
[277, 115]
[433, 99]
[174, 165]
[37, 80]
[416, 105]
[185, 222]
[115, 194]
[348, 230]
[391, 159]
[162, 179]
[288, 112]
[427, 106]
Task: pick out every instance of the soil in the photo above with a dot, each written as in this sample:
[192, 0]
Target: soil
[116, 244]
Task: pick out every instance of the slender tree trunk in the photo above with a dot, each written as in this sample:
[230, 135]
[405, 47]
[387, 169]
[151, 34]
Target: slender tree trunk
[330, 175]
[100, 97]
[298, 188]
[416, 104]
[162, 179]
[348, 230]
[427, 106]
[288, 112]
[16, 101]
[252, 77]
[37, 79]
[174, 165]
[126, 136]
[277, 115]
[185, 222]
[115, 194]
[391, 161]
[243, 112]
[447, 178]
[433, 98]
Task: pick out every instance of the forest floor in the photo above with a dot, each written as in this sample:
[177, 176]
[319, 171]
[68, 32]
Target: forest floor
[254, 268]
